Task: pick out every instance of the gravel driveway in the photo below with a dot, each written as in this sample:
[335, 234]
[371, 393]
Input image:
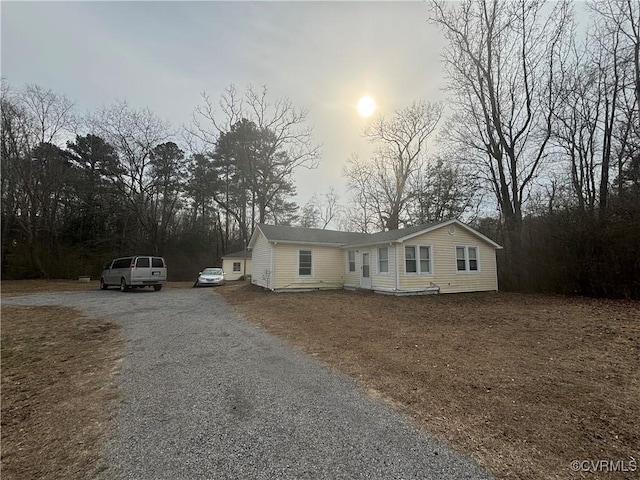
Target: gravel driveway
[205, 394]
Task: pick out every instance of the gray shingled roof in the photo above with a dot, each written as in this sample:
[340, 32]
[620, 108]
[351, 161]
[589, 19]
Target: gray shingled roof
[240, 254]
[392, 235]
[282, 233]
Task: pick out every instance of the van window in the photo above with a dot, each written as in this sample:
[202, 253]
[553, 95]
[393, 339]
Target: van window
[122, 263]
[142, 262]
[157, 262]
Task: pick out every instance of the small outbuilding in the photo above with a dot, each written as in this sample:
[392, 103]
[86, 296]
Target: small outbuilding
[443, 257]
[233, 264]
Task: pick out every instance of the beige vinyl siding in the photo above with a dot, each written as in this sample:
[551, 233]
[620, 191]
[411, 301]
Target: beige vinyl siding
[383, 281]
[328, 266]
[261, 273]
[443, 263]
[227, 266]
[352, 279]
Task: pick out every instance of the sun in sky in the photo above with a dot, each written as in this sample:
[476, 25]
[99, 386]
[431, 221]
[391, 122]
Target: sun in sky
[366, 106]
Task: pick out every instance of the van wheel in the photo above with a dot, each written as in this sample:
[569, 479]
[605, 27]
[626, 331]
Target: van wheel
[123, 285]
[103, 286]
[157, 288]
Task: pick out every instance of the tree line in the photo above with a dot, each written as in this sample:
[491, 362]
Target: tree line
[540, 125]
[71, 200]
[542, 121]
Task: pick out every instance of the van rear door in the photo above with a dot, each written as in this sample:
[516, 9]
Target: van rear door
[159, 268]
[141, 271]
[148, 271]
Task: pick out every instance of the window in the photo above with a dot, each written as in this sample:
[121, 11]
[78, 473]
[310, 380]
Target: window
[410, 260]
[383, 260]
[119, 264]
[467, 259]
[473, 259]
[122, 263]
[417, 259]
[425, 259]
[236, 266]
[157, 262]
[351, 260]
[142, 262]
[304, 263]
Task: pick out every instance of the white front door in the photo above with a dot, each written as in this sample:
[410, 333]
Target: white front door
[365, 274]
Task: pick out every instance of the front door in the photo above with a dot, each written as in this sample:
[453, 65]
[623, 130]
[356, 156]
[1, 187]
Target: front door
[365, 276]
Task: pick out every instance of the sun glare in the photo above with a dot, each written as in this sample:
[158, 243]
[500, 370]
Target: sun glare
[366, 106]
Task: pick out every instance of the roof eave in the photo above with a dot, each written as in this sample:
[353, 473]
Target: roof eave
[427, 230]
[368, 244]
[301, 242]
[450, 222]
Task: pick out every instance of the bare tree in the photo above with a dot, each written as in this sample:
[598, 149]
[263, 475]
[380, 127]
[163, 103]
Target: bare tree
[330, 209]
[51, 114]
[321, 210]
[209, 122]
[366, 213]
[134, 134]
[34, 168]
[282, 144]
[617, 57]
[383, 184]
[500, 66]
[596, 123]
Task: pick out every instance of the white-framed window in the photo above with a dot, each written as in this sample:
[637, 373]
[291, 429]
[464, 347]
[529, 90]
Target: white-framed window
[305, 263]
[351, 261]
[383, 260]
[417, 259]
[410, 264]
[425, 259]
[467, 259]
[236, 266]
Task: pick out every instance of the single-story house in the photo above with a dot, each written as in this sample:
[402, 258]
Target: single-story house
[443, 257]
[233, 264]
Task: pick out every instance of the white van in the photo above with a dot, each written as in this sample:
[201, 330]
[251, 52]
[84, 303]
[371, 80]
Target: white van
[134, 272]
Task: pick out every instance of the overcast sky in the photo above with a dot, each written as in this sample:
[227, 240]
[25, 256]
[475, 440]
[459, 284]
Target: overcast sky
[162, 55]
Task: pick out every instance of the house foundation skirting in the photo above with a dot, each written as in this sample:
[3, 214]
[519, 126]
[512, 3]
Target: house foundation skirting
[403, 293]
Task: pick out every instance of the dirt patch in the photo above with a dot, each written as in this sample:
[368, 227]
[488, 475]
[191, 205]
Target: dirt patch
[57, 388]
[525, 384]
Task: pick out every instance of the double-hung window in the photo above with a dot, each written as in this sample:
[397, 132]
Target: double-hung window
[410, 265]
[425, 259]
[467, 259]
[351, 260]
[305, 263]
[236, 266]
[383, 260]
[417, 259]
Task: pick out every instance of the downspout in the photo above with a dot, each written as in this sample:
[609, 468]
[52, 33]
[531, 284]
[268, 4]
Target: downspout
[273, 273]
[397, 269]
[495, 264]
[244, 273]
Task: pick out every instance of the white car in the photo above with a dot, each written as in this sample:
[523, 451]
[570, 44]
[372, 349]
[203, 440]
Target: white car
[210, 276]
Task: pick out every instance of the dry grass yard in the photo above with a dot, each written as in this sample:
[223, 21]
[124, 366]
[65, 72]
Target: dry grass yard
[57, 389]
[525, 384]
[57, 369]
